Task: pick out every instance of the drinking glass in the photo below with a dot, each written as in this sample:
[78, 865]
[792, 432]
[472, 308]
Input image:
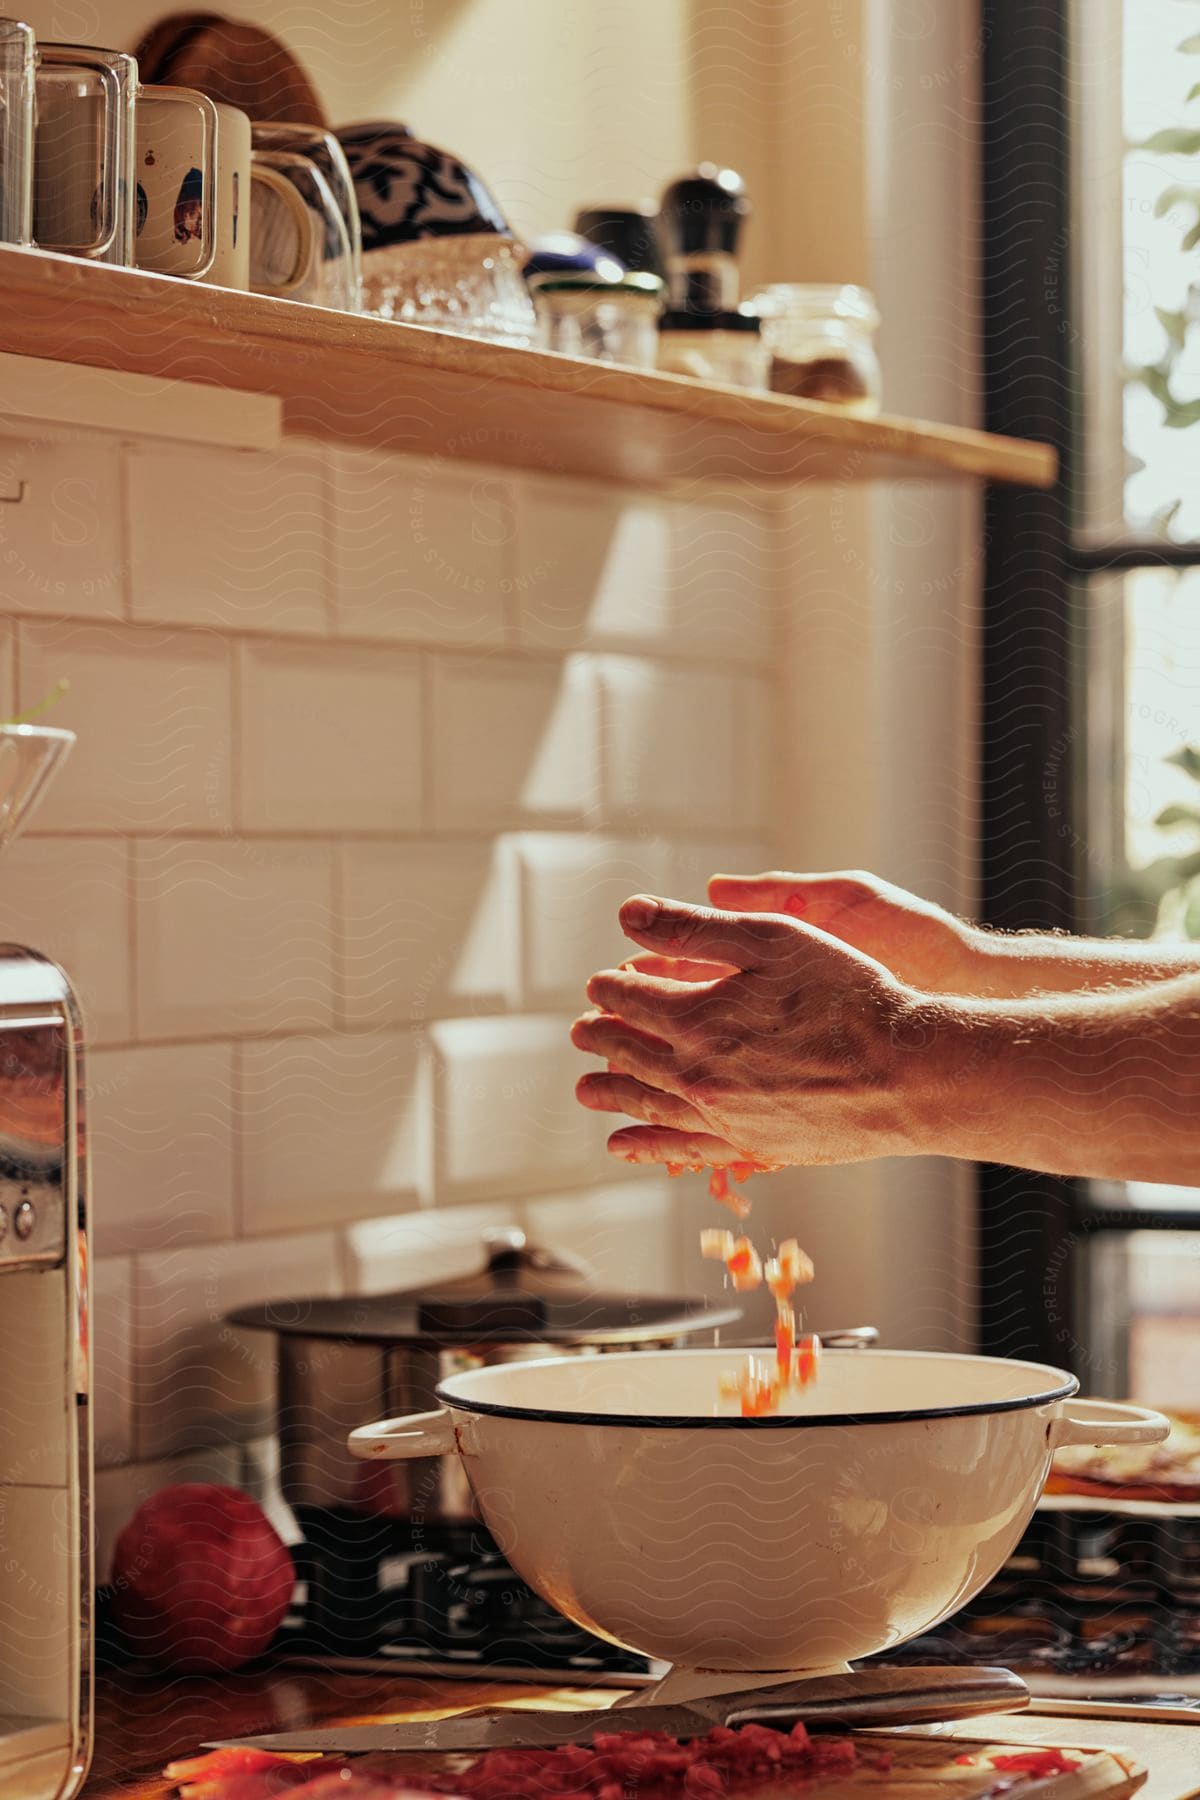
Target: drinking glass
[17, 67]
[342, 284]
[83, 187]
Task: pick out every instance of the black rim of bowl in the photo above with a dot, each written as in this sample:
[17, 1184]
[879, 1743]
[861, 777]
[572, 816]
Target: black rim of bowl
[768, 1422]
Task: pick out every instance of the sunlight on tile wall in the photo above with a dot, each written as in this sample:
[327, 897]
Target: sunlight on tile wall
[369, 751]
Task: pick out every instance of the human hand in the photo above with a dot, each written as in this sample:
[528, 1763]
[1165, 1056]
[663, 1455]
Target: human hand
[922, 944]
[798, 1050]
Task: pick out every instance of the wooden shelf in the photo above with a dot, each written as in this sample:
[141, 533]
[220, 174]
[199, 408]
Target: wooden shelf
[431, 393]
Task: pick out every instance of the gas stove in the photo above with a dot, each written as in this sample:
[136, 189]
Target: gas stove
[1089, 1605]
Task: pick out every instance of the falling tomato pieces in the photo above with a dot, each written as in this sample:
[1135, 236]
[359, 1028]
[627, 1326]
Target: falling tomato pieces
[745, 1269]
[794, 1265]
[785, 1339]
[716, 1245]
[808, 1357]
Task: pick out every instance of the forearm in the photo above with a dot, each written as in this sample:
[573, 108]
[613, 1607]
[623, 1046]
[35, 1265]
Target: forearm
[1008, 966]
[1104, 1085]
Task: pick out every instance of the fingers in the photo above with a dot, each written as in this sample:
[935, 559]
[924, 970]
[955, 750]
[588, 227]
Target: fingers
[623, 1094]
[660, 1144]
[627, 1050]
[658, 1005]
[774, 893]
[819, 900]
[678, 968]
[672, 928]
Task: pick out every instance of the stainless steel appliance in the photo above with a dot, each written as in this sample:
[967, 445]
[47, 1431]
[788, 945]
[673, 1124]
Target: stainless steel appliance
[45, 1385]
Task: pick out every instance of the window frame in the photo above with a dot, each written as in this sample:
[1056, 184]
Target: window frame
[1036, 610]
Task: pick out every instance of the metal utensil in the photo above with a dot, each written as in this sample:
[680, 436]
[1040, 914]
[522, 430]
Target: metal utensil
[868, 1697]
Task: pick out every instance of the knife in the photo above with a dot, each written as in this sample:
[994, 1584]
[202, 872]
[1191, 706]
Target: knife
[869, 1697]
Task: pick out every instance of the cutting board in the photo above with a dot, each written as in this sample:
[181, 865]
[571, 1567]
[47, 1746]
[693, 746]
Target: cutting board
[918, 1768]
[926, 1769]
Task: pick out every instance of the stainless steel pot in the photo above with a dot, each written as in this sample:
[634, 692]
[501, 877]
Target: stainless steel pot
[342, 1362]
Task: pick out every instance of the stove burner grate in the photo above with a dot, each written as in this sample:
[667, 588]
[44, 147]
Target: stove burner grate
[1083, 1595]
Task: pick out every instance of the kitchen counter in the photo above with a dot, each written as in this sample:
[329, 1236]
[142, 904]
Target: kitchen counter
[142, 1723]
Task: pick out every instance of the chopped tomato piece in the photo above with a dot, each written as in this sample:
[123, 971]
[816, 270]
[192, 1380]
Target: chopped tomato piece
[785, 1339]
[716, 1245]
[808, 1352]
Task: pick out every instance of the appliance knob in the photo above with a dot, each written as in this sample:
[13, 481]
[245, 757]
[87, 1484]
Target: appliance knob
[3, 1222]
[25, 1218]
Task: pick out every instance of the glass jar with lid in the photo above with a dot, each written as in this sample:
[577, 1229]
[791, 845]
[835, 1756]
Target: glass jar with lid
[719, 346]
[822, 343]
[611, 319]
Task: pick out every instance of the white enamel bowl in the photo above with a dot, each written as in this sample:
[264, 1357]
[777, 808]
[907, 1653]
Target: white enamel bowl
[890, 1493]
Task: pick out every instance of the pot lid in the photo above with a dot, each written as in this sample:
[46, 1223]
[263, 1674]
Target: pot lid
[523, 1293]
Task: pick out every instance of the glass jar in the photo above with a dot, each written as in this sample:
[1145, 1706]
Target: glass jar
[822, 343]
[609, 321]
[720, 346]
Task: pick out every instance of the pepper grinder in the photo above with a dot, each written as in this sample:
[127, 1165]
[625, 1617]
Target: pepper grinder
[700, 221]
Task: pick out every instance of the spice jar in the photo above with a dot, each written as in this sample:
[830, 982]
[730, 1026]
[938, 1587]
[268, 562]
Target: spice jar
[607, 320]
[715, 346]
[821, 343]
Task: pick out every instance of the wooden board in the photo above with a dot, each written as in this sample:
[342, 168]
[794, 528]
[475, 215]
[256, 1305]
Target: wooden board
[431, 393]
[143, 1723]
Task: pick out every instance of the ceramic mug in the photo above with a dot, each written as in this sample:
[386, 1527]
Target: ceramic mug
[230, 265]
[175, 162]
[18, 61]
[83, 152]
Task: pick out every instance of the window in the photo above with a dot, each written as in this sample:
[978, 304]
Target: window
[1092, 634]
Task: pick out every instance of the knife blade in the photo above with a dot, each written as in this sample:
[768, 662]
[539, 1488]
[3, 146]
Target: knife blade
[868, 1697]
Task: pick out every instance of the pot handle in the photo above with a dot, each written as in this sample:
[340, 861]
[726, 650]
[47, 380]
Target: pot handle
[1107, 1422]
[398, 1440]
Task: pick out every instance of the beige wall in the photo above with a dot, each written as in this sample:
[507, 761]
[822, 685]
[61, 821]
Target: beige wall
[558, 102]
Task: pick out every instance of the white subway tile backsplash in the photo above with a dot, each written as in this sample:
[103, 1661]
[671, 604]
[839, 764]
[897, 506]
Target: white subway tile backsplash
[332, 1128]
[421, 550]
[606, 570]
[61, 545]
[513, 742]
[161, 1140]
[420, 1249]
[594, 566]
[506, 1116]
[152, 714]
[331, 739]
[331, 905]
[571, 888]
[71, 899]
[234, 540]
[427, 928]
[112, 1360]
[233, 937]
[627, 1232]
[198, 1381]
[725, 579]
[684, 750]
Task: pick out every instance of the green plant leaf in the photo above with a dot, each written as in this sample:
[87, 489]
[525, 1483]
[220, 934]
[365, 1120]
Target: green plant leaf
[1162, 519]
[1175, 325]
[1187, 758]
[1192, 92]
[1176, 196]
[1177, 815]
[1175, 140]
[1190, 45]
[1191, 915]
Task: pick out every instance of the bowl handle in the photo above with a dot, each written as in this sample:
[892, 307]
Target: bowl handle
[1106, 1422]
[396, 1440]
